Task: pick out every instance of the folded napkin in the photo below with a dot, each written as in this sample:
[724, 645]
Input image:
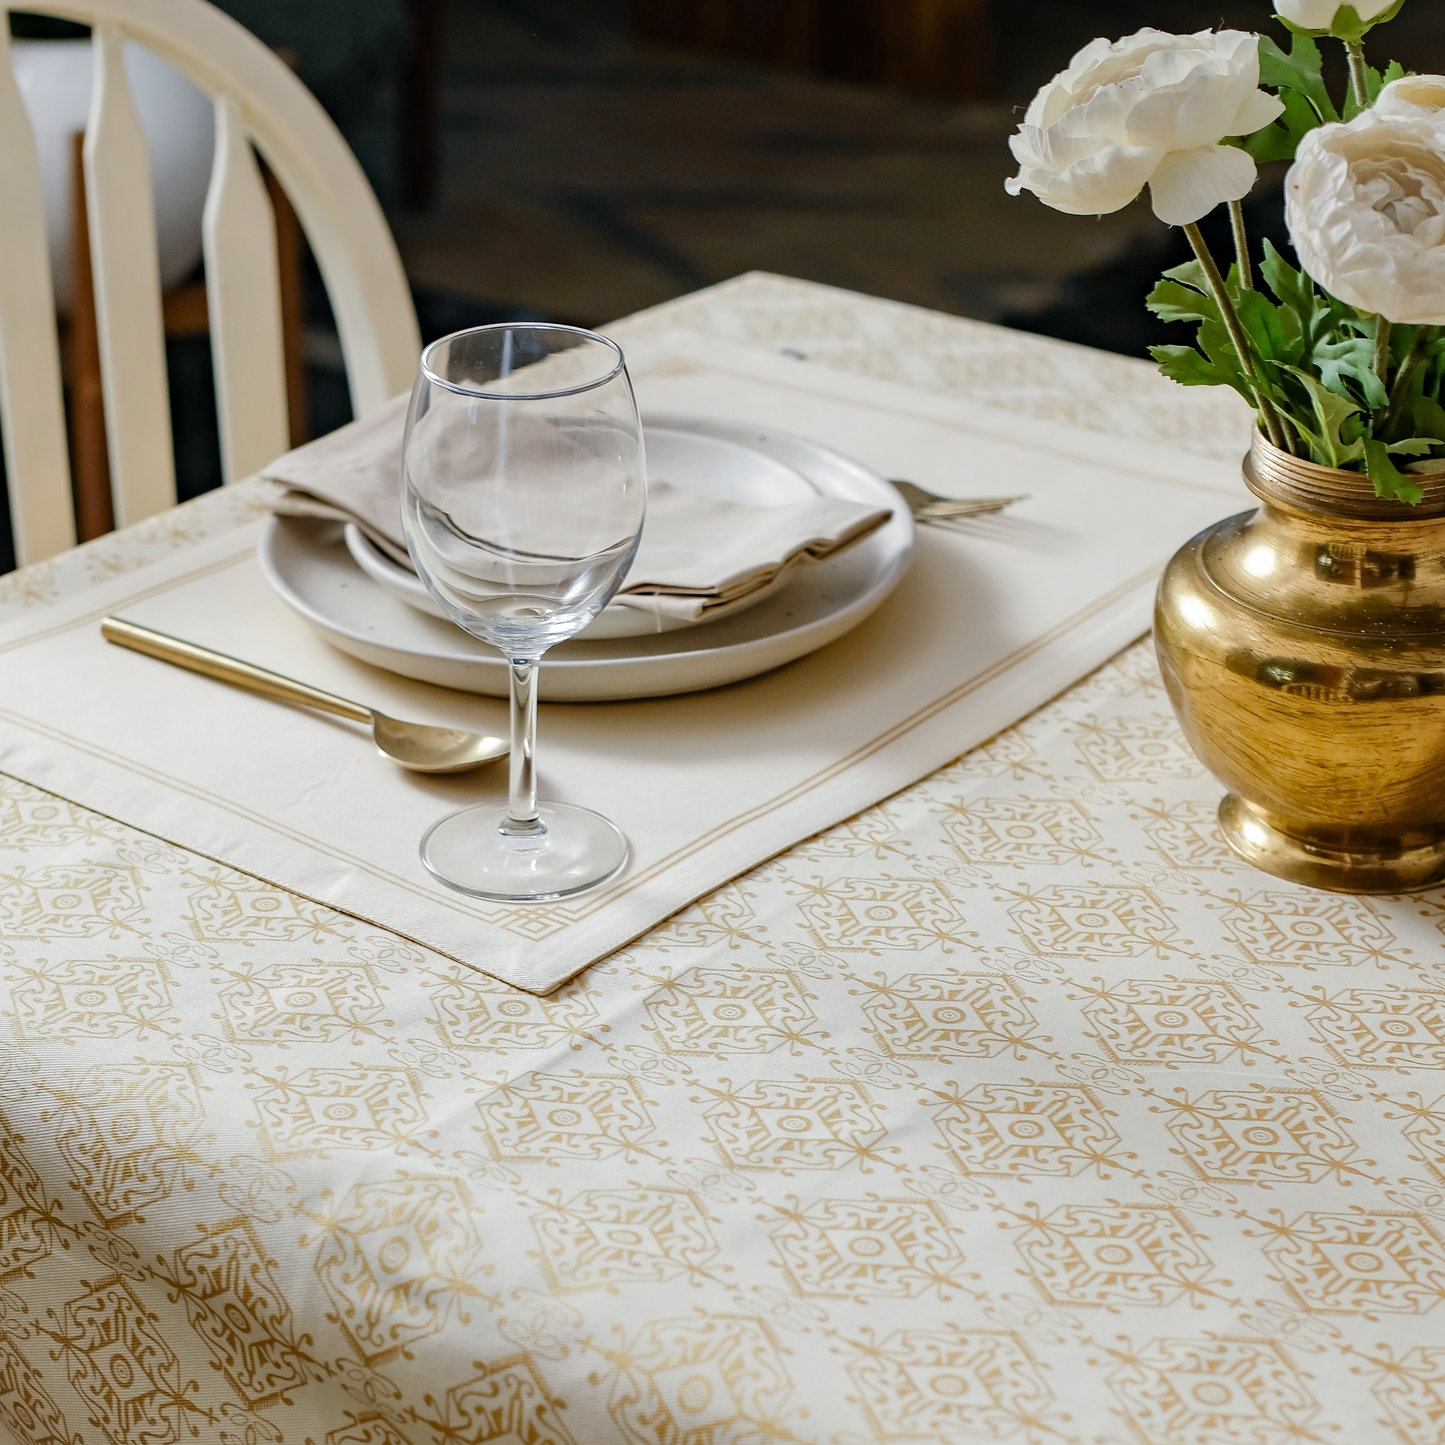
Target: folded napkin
[700, 558]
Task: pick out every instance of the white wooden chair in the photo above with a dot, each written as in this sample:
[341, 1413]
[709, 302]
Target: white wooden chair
[259, 103]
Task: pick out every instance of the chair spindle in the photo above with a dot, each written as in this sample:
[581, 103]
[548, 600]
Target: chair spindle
[127, 291]
[32, 407]
[243, 287]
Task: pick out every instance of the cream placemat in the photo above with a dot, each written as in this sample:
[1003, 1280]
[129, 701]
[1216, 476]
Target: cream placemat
[991, 622]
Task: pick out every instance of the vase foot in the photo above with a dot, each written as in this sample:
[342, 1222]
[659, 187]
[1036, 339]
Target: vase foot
[1341, 866]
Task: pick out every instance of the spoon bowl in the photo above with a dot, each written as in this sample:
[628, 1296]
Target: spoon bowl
[427, 749]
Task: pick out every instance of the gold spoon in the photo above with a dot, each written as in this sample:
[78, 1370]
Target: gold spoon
[418, 746]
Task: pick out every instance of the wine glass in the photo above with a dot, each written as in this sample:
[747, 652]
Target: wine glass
[523, 496]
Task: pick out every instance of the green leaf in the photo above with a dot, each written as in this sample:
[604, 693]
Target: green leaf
[1186, 366]
[1279, 140]
[1313, 312]
[1300, 71]
[1295, 341]
[1389, 482]
[1191, 273]
[1293, 288]
[1184, 295]
[1263, 324]
[1330, 412]
[1214, 342]
[1171, 301]
[1350, 359]
[1414, 447]
[1428, 416]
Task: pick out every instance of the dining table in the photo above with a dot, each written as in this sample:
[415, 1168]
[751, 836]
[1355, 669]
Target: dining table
[1011, 1106]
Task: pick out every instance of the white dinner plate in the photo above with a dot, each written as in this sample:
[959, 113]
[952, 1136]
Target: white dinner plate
[308, 564]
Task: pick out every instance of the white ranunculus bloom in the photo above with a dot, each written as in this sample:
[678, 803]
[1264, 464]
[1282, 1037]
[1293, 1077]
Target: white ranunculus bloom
[1416, 95]
[1366, 210]
[1150, 110]
[1319, 15]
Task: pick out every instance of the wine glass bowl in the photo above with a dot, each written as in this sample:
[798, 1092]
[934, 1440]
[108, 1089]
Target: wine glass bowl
[522, 511]
[524, 493]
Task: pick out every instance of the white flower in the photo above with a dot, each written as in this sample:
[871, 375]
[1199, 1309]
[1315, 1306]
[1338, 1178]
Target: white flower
[1366, 209]
[1147, 110]
[1417, 95]
[1319, 15]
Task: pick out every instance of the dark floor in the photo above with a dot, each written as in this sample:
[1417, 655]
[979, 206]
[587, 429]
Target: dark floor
[586, 176]
[590, 176]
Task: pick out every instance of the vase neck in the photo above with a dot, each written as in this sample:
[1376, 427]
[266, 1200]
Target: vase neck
[1298, 485]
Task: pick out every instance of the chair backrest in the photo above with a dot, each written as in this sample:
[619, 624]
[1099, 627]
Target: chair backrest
[258, 102]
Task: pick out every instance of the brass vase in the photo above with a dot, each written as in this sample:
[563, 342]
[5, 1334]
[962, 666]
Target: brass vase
[1303, 646]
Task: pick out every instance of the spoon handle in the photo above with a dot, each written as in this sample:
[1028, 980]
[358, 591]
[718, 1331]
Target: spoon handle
[227, 669]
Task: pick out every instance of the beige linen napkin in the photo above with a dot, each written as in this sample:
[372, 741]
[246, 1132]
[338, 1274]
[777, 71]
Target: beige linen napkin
[700, 557]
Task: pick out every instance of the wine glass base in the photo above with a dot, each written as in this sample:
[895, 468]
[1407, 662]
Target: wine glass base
[575, 850]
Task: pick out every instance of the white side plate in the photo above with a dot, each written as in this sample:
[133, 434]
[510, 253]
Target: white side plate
[308, 564]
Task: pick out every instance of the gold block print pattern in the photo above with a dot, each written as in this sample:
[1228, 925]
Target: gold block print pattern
[1014, 1110]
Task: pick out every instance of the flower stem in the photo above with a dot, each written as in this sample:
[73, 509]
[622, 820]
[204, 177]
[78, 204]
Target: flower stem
[1411, 364]
[1359, 84]
[1267, 414]
[1382, 352]
[1241, 245]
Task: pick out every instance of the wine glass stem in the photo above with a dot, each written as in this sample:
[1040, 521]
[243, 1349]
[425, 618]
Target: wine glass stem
[522, 802]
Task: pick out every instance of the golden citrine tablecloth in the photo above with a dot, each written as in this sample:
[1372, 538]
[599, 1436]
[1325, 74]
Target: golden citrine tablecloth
[1012, 1110]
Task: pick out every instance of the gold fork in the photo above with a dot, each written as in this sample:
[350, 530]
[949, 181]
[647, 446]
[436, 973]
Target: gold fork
[928, 506]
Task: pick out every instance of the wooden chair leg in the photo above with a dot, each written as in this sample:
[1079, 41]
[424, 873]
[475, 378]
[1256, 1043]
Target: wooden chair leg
[289, 247]
[293, 309]
[90, 457]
